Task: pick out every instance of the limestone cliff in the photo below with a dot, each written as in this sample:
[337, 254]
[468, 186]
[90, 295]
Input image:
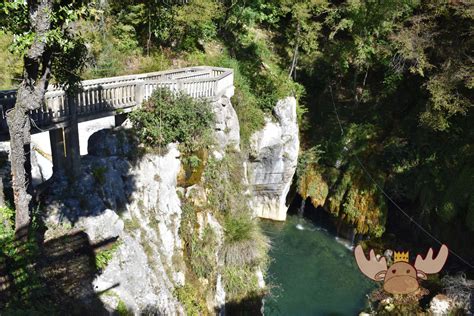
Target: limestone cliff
[132, 200]
[227, 130]
[135, 203]
[272, 161]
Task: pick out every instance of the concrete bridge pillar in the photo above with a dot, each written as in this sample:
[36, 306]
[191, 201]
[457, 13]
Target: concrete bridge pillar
[65, 150]
[58, 149]
[65, 145]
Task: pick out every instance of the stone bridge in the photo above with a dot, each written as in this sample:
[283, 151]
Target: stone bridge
[60, 114]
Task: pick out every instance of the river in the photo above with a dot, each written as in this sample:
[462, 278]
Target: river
[311, 272]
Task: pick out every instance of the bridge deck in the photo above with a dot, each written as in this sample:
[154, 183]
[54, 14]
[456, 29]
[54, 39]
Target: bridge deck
[109, 96]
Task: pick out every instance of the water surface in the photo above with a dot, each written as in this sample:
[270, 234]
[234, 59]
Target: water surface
[313, 274]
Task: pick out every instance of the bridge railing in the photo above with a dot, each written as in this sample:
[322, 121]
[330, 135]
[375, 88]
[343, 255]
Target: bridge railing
[106, 95]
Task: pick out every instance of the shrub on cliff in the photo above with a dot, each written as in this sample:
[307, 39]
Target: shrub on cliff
[168, 117]
[245, 243]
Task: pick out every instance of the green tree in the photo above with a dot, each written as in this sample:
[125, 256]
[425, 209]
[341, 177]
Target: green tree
[302, 29]
[167, 118]
[398, 75]
[45, 37]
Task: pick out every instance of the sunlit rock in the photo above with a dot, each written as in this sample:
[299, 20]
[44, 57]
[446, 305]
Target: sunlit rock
[227, 128]
[440, 305]
[273, 160]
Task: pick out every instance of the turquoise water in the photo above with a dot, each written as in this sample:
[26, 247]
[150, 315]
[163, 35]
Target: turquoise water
[313, 274]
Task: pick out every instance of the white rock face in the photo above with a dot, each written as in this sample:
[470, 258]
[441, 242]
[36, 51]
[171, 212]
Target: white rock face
[86, 129]
[136, 202]
[440, 305]
[41, 167]
[227, 130]
[220, 294]
[273, 160]
[143, 267]
[99, 228]
[141, 272]
[261, 280]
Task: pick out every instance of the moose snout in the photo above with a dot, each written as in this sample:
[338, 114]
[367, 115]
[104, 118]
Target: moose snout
[401, 284]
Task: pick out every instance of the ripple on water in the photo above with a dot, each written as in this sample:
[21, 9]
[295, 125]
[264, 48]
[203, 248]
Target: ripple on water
[313, 274]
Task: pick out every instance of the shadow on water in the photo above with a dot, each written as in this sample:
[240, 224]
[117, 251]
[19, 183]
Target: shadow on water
[246, 307]
[55, 277]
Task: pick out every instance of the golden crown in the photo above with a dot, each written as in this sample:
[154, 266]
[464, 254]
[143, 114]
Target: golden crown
[401, 256]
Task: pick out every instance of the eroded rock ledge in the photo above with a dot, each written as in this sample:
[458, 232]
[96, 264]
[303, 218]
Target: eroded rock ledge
[272, 161]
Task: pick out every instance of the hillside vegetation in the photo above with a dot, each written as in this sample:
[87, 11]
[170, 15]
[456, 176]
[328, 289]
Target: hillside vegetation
[385, 92]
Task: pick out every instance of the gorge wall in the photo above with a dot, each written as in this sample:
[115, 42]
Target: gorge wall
[134, 202]
[144, 214]
[272, 161]
[140, 201]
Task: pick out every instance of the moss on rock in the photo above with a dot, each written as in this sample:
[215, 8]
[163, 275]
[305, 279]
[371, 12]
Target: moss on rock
[346, 195]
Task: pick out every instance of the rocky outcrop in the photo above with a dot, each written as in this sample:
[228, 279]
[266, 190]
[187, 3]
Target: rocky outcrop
[272, 161]
[440, 305]
[133, 199]
[136, 204]
[227, 129]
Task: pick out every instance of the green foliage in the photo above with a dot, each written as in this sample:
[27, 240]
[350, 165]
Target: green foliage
[447, 211]
[10, 68]
[27, 292]
[223, 182]
[184, 27]
[306, 159]
[132, 224]
[445, 100]
[240, 283]
[7, 224]
[301, 30]
[167, 118]
[99, 174]
[245, 244]
[200, 250]
[238, 228]
[193, 161]
[103, 257]
[61, 39]
[397, 73]
[189, 297]
[194, 23]
[203, 253]
[122, 309]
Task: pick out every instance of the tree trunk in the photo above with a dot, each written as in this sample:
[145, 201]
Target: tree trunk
[295, 54]
[19, 126]
[2, 194]
[30, 95]
[148, 42]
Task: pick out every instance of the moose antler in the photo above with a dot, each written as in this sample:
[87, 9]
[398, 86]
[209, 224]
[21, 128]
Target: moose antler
[430, 265]
[373, 268]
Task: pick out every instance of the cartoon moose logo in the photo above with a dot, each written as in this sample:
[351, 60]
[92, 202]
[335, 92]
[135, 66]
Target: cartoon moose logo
[401, 277]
